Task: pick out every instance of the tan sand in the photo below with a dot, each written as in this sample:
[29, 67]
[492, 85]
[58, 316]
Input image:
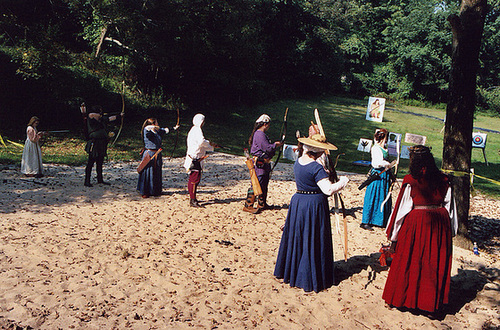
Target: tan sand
[104, 258]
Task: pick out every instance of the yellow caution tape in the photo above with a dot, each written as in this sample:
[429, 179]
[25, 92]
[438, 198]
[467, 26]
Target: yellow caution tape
[1, 140]
[16, 144]
[463, 173]
[456, 173]
[491, 180]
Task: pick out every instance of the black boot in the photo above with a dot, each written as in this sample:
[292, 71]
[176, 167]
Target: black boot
[100, 179]
[261, 203]
[264, 202]
[88, 173]
[366, 226]
[87, 181]
[250, 201]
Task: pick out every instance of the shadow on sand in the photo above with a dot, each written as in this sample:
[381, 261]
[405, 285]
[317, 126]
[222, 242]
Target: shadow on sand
[464, 286]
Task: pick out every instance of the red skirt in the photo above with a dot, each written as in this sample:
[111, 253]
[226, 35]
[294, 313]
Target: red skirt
[419, 276]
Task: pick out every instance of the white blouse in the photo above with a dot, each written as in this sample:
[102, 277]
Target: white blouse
[378, 160]
[328, 188]
[406, 206]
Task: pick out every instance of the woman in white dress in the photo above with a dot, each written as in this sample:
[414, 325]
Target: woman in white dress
[31, 163]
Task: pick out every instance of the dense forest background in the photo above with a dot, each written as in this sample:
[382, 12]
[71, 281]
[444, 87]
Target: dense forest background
[214, 56]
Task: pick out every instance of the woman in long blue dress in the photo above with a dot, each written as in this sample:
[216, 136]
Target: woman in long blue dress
[305, 257]
[377, 191]
[150, 180]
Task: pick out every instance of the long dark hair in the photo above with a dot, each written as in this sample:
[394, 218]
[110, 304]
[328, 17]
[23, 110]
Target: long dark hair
[255, 128]
[421, 158]
[147, 122]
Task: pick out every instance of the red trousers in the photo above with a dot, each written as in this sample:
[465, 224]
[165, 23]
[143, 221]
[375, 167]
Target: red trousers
[194, 180]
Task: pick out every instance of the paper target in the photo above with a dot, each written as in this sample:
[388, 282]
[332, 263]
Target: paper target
[479, 140]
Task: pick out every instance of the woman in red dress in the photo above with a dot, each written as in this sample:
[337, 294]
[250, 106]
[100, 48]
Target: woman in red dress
[421, 228]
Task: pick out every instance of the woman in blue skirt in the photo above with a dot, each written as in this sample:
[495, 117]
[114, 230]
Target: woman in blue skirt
[150, 181]
[305, 257]
[377, 191]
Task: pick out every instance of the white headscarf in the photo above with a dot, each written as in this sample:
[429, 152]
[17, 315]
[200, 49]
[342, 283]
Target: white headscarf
[198, 119]
[263, 119]
[197, 146]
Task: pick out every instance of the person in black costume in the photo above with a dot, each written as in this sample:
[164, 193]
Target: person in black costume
[97, 141]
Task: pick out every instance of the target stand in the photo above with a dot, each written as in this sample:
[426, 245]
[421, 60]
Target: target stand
[479, 141]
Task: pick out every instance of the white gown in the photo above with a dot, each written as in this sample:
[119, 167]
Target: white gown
[31, 162]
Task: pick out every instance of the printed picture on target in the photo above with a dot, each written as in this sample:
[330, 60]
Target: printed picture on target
[375, 110]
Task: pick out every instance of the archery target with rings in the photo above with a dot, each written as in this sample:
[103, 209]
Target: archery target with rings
[478, 140]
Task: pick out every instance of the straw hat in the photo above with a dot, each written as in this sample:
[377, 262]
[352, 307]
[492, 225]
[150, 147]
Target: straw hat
[317, 141]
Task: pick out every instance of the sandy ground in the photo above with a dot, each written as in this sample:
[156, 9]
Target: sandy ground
[104, 258]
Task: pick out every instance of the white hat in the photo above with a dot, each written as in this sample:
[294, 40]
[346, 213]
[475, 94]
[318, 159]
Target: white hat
[263, 119]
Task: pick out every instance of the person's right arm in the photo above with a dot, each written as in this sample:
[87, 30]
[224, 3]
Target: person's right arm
[328, 188]
[32, 135]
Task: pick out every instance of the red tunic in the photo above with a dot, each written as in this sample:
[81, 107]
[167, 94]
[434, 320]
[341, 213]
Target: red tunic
[419, 277]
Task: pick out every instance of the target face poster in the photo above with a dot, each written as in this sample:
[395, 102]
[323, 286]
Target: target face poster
[375, 110]
[479, 140]
[394, 144]
[365, 145]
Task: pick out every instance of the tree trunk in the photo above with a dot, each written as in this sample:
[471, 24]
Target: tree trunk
[467, 30]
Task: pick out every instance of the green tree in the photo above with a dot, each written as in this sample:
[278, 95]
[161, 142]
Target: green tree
[489, 70]
[413, 53]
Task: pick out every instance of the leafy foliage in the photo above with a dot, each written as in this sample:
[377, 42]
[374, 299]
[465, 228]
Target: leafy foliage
[213, 55]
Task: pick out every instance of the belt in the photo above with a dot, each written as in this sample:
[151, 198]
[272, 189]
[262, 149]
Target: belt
[427, 207]
[153, 150]
[264, 160]
[308, 192]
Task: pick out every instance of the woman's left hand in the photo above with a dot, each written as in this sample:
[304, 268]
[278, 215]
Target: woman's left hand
[343, 180]
[392, 248]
